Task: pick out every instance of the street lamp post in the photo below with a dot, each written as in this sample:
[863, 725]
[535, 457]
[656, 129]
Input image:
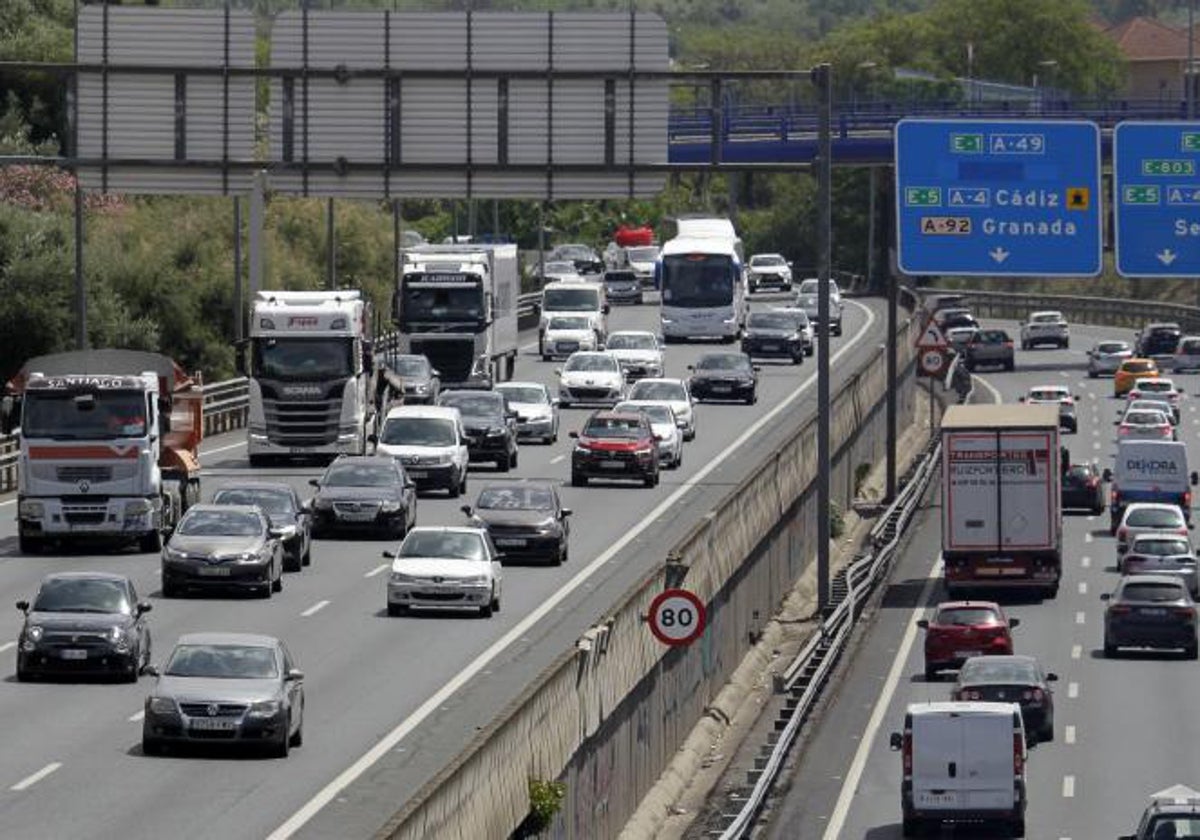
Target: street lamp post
[1049, 65]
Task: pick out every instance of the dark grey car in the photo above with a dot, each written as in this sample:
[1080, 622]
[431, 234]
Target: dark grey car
[490, 423]
[226, 688]
[525, 520]
[286, 512]
[773, 335]
[223, 546]
[1150, 611]
[412, 377]
[364, 492]
[84, 623]
[989, 347]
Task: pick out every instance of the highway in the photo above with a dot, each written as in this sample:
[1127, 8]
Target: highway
[1122, 727]
[389, 700]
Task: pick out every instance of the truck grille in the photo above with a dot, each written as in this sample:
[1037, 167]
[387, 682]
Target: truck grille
[302, 422]
[73, 474]
[454, 358]
[78, 515]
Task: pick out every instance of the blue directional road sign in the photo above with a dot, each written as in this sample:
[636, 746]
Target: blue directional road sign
[1156, 198]
[998, 197]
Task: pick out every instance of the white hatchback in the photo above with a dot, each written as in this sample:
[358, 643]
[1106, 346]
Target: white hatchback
[673, 392]
[663, 425]
[1149, 517]
[591, 378]
[566, 334]
[445, 568]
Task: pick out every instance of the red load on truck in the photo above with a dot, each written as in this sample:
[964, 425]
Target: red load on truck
[627, 237]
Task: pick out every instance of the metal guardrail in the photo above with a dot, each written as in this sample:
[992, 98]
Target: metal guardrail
[1114, 312]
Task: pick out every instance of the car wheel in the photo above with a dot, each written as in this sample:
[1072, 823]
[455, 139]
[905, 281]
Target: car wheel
[1066, 345]
[1046, 733]
[808, 351]
[454, 490]
[298, 736]
[562, 556]
[503, 464]
[564, 404]
[486, 610]
[395, 610]
[931, 673]
[679, 458]
[284, 745]
[1191, 651]
[23, 674]
[151, 542]
[578, 480]
[911, 827]
[151, 746]
[277, 584]
[1110, 650]
[1093, 375]
[496, 604]
[131, 673]
[1010, 365]
[258, 461]
[546, 357]
[292, 563]
[650, 480]
[512, 459]
[27, 544]
[1017, 827]
[170, 590]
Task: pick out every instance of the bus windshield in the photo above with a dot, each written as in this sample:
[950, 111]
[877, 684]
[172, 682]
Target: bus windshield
[698, 280]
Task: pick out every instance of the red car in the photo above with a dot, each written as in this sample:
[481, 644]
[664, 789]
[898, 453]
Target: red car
[615, 445]
[962, 629]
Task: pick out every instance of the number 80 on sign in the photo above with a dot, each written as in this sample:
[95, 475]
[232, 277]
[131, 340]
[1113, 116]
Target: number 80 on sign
[677, 617]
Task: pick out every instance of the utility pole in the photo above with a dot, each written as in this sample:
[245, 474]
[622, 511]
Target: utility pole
[823, 82]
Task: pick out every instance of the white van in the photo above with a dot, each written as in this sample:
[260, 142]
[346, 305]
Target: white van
[571, 297]
[429, 440]
[962, 762]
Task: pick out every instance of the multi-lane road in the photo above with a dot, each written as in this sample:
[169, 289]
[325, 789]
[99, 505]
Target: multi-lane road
[1123, 727]
[389, 701]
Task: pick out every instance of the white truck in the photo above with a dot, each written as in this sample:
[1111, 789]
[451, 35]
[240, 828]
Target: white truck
[1001, 498]
[1149, 471]
[573, 297]
[457, 306]
[109, 446]
[312, 377]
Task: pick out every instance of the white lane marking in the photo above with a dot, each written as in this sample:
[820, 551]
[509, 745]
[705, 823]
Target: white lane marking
[9, 502]
[314, 609]
[1080, 617]
[850, 784]
[1088, 538]
[222, 449]
[1073, 691]
[1096, 432]
[381, 567]
[1076, 651]
[7, 646]
[1069, 787]
[558, 458]
[1083, 587]
[1069, 734]
[996, 398]
[31, 780]
[138, 717]
[389, 741]
[1085, 561]
[1096, 445]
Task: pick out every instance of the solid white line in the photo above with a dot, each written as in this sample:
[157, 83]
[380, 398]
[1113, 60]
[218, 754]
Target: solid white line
[1083, 587]
[1069, 734]
[138, 717]
[1073, 691]
[1085, 561]
[7, 646]
[996, 398]
[381, 567]
[558, 458]
[314, 609]
[1069, 787]
[388, 742]
[850, 785]
[1076, 651]
[30, 781]
[1080, 617]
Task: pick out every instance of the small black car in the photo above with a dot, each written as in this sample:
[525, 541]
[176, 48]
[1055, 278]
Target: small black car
[1083, 487]
[586, 260]
[490, 424]
[84, 623]
[1011, 679]
[412, 377]
[525, 520]
[623, 287]
[281, 503]
[364, 492]
[774, 335]
[1158, 340]
[724, 376]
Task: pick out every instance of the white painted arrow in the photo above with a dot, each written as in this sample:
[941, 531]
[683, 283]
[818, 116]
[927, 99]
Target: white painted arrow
[1166, 256]
[998, 254]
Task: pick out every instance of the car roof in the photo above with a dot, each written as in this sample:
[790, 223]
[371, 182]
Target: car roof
[1175, 796]
[1173, 580]
[255, 485]
[1009, 658]
[1045, 312]
[446, 529]
[634, 332]
[208, 507]
[963, 604]
[723, 354]
[603, 353]
[436, 412]
[657, 379]
[766, 254]
[1151, 506]
[518, 383]
[364, 459]
[1146, 536]
[111, 576]
[219, 638]
[520, 483]
[1162, 325]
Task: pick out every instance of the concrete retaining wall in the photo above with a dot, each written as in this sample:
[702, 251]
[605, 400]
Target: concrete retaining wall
[607, 721]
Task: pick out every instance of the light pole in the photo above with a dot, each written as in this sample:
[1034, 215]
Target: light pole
[1049, 65]
[1188, 79]
[867, 68]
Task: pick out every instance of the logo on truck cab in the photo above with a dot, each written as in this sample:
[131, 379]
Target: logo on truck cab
[1150, 465]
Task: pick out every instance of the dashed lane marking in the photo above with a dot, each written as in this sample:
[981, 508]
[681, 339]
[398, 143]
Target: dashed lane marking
[381, 567]
[314, 609]
[1080, 617]
[1069, 734]
[1068, 789]
[32, 779]
[1076, 651]
[1073, 691]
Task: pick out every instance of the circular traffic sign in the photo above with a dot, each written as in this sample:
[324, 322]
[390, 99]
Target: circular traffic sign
[932, 361]
[676, 617]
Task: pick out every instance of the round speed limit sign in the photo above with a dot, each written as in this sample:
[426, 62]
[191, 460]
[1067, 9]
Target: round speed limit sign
[932, 361]
[676, 617]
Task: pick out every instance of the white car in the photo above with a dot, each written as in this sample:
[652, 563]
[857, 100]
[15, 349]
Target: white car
[561, 270]
[1157, 388]
[1187, 354]
[639, 352]
[537, 411]
[445, 568]
[808, 299]
[641, 260]
[1059, 395]
[565, 334]
[1152, 405]
[1045, 328]
[959, 337]
[1145, 425]
[673, 392]
[590, 377]
[430, 442]
[1148, 517]
[665, 428]
[769, 272]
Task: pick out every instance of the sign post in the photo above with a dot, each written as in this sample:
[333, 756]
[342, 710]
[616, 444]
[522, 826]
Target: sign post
[998, 198]
[677, 617]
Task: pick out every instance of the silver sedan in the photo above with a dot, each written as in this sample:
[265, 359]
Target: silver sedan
[1106, 356]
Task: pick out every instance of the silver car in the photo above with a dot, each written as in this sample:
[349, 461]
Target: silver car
[537, 411]
[1106, 356]
[223, 546]
[1162, 554]
[666, 430]
[673, 392]
[226, 688]
[1187, 354]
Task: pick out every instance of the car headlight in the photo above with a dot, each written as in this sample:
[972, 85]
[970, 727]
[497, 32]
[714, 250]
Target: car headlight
[119, 637]
[322, 504]
[250, 557]
[171, 553]
[400, 577]
[421, 388]
[286, 532]
[390, 506]
[444, 458]
[138, 507]
[495, 432]
[476, 580]
[33, 635]
[265, 708]
[547, 526]
[160, 705]
[31, 510]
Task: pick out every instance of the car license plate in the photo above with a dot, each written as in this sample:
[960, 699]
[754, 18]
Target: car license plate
[771, 348]
[73, 653]
[928, 799]
[967, 654]
[510, 543]
[722, 389]
[214, 571]
[417, 473]
[1152, 611]
[356, 517]
[612, 465]
[213, 724]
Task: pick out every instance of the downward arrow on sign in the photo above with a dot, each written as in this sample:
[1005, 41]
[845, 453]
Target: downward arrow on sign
[1166, 256]
[998, 254]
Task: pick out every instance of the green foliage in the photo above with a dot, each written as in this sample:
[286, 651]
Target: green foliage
[545, 799]
[837, 521]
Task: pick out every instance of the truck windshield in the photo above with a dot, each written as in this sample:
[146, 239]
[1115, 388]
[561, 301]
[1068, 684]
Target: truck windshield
[583, 299]
[103, 414]
[303, 358]
[698, 280]
[442, 303]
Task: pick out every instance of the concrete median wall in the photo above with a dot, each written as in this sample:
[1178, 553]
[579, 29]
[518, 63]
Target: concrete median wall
[608, 720]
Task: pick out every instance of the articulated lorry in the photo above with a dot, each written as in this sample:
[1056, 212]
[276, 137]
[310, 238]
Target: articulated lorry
[109, 446]
[1001, 498]
[457, 306]
[312, 375]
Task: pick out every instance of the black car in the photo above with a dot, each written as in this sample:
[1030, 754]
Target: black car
[84, 623]
[490, 424]
[286, 512]
[1158, 340]
[364, 492]
[586, 260]
[615, 444]
[724, 376]
[526, 521]
[1150, 611]
[773, 335]
[223, 547]
[412, 377]
[1011, 679]
[623, 287]
[1083, 487]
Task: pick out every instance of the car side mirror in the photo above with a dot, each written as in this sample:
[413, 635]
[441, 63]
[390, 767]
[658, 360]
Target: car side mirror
[467, 510]
[389, 555]
[1052, 677]
[756, 368]
[896, 742]
[1106, 476]
[1020, 399]
[1014, 623]
[373, 440]
[314, 482]
[1127, 837]
[558, 371]
[606, 309]
[1106, 596]
[566, 512]
[691, 367]
[306, 506]
[23, 606]
[144, 607]
[294, 675]
[511, 415]
[658, 437]
[554, 402]
[150, 670]
[1195, 478]
[573, 435]
[923, 623]
[275, 532]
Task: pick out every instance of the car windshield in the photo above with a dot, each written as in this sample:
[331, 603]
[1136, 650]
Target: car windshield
[1173, 828]
[1046, 318]
[772, 321]
[229, 662]
[631, 341]
[444, 544]
[1154, 518]
[474, 405]
[797, 315]
[646, 254]
[613, 427]
[1190, 347]
[303, 358]
[559, 267]
[967, 616]
[581, 299]
[1160, 547]
[219, 523]
[620, 277]
[654, 413]
[991, 337]
[418, 431]
[1139, 367]
[574, 322]
[1048, 394]
[272, 501]
[723, 361]
[1151, 591]
[1144, 418]
[1152, 387]
[409, 365]
[1080, 473]
[658, 391]
[91, 416]
[524, 394]
[82, 595]
[597, 363]
[1112, 347]
[767, 259]
[811, 287]
[516, 498]
[986, 669]
[574, 252]
[360, 474]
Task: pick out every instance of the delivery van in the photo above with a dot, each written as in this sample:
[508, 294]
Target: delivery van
[1149, 471]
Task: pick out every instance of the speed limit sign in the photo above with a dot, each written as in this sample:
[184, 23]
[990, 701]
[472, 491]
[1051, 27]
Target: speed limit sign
[676, 617]
[932, 361]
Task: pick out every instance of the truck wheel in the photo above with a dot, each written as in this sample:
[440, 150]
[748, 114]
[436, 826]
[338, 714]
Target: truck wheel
[911, 827]
[27, 544]
[259, 461]
[150, 542]
[578, 480]
[1017, 827]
